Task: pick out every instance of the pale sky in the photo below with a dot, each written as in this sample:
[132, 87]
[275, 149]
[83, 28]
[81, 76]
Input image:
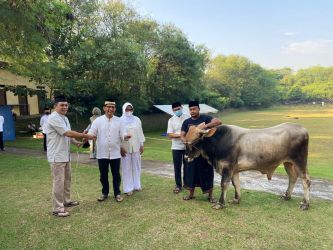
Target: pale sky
[272, 33]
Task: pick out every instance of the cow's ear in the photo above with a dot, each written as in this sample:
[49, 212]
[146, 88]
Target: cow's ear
[210, 132]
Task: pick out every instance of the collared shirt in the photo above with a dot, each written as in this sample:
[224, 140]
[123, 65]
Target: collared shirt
[110, 133]
[43, 121]
[174, 126]
[2, 120]
[137, 138]
[58, 145]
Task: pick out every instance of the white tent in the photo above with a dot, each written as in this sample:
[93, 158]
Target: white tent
[204, 109]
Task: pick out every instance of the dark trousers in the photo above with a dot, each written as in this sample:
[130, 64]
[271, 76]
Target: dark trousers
[199, 173]
[104, 172]
[1, 140]
[178, 161]
[44, 142]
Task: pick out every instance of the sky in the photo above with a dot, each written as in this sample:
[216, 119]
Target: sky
[273, 33]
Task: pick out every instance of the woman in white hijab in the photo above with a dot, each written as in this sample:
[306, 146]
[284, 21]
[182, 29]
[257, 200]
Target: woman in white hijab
[131, 151]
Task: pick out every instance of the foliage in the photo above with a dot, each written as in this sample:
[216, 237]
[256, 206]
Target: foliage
[242, 82]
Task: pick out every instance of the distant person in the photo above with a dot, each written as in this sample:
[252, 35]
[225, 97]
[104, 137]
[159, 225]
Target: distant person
[199, 173]
[96, 112]
[110, 133]
[43, 121]
[32, 128]
[178, 147]
[2, 121]
[59, 133]
[131, 151]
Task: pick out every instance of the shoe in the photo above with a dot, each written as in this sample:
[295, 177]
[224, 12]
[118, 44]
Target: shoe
[71, 204]
[177, 190]
[130, 193]
[102, 198]
[119, 198]
[61, 214]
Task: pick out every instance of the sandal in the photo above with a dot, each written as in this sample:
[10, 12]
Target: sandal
[61, 214]
[119, 198]
[188, 197]
[176, 190]
[130, 193]
[211, 199]
[72, 204]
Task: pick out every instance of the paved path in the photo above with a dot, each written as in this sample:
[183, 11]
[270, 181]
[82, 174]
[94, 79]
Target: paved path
[249, 180]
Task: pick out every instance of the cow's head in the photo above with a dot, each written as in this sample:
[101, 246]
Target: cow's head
[194, 135]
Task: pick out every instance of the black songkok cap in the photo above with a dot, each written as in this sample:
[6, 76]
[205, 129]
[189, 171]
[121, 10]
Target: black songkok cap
[60, 98]
[176, 104]
[193, 103]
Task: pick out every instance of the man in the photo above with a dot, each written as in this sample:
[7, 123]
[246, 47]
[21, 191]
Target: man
[58, 154]
[199, 172]
[2, 121]
[43, 121]
[178, 147]
[110, 133]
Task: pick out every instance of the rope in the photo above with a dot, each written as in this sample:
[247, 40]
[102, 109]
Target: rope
[76, 172]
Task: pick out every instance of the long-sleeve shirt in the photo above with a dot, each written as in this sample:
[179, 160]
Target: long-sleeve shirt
[110, 133]
[137, 138]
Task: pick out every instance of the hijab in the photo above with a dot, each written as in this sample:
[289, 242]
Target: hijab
[125, 118]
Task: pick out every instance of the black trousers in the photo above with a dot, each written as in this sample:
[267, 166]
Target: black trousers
[199, 173]
[178, 162]
[1, 140]
[104, 175]
[44, 142]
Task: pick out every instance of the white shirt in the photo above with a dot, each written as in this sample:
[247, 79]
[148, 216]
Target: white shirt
[43, 121]
[58, 145]
[2, 120]
[137, 138]
[174, 127]
[110, 133]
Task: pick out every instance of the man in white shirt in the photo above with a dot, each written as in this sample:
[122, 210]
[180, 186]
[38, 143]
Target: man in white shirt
[110, 133]
[43, 121]
[178, 147]
[58, 154]
[2, 121]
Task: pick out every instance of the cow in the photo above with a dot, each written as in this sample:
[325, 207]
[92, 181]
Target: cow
[232, 149]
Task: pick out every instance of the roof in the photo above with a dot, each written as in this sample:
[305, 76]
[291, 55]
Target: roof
[204, 109]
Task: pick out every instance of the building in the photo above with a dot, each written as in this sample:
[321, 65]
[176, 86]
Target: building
[22, 105]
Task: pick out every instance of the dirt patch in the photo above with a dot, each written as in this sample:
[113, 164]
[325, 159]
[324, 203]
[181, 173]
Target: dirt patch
[249, 180]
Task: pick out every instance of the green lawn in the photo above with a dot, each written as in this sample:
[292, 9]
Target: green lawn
[318, 121]
[154, 218]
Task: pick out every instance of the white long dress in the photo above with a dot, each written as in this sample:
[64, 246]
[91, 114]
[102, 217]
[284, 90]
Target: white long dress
[131, 163]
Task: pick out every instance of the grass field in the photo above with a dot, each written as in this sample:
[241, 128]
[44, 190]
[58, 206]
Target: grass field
[154, 218]
[316, 119]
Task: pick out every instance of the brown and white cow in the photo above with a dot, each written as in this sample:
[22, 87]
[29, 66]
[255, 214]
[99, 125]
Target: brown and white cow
[232, 149]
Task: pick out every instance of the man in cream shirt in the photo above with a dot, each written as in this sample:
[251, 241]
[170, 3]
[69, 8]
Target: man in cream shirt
[58, 154]
[110, 133]
[178, 147]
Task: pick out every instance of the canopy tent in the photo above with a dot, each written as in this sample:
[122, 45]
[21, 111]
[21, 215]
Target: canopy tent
[204, 109]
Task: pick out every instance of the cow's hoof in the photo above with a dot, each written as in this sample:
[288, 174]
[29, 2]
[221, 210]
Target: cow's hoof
[285, 197]
[218, 206]
[304, 205]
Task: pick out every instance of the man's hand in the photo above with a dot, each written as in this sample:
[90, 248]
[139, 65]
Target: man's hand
[127, 137]
[141, 150]
[78, 144]
[91, 137]
[123, 152]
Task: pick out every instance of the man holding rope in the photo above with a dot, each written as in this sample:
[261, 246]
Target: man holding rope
[59, 137]
[199, 173]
